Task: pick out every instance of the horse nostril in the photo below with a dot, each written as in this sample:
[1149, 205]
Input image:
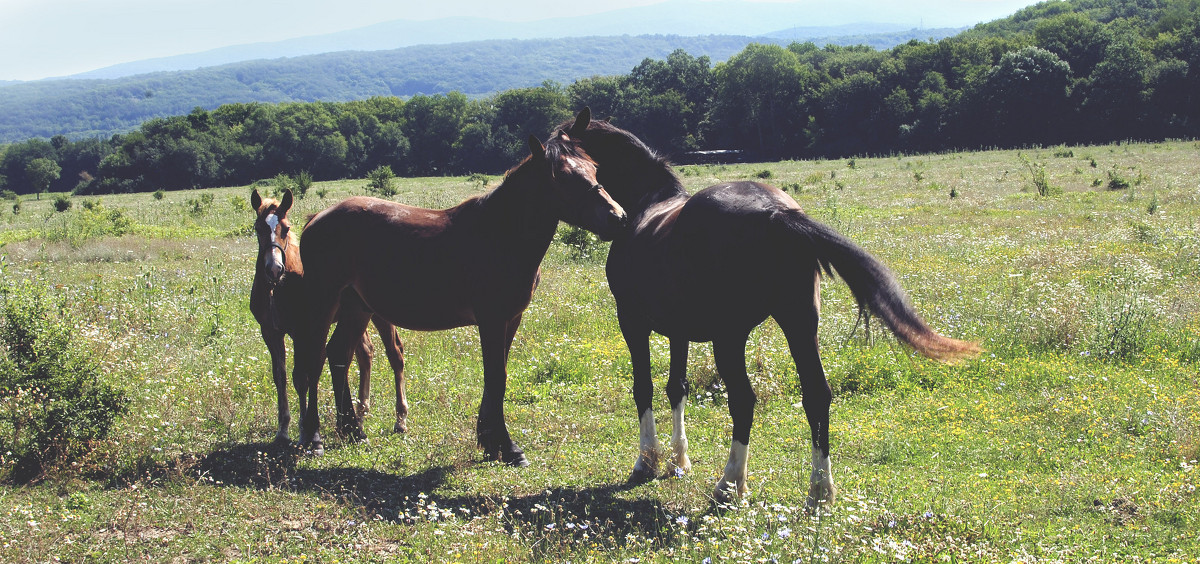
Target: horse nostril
[618, 219]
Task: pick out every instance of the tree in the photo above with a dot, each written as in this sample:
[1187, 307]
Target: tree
[761, 101]
[41, 172]
[1027, 95]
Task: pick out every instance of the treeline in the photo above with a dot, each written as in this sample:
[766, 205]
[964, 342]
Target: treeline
[1059, 72]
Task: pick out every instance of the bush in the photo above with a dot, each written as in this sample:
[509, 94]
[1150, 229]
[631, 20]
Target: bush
[583, 243]
[54, 403]
[62, 203]
[302, 182]
[381, 182]
[158, 194]
[1039, 178]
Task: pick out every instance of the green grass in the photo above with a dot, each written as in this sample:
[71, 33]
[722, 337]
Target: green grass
[1074, 437]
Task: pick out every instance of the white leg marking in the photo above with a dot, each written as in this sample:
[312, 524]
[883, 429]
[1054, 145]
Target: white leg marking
[821, 490]
[733, 483]
[679, 443]
[647, 461]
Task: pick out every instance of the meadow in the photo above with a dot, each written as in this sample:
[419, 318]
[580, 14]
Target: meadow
[1073, 438]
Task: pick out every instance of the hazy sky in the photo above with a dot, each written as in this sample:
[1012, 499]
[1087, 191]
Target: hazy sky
[48, 38]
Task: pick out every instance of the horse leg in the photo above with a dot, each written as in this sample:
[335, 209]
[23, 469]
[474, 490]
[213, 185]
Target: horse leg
[730, 355]
[637, 338]
[364, 353]
[800, 328]
[495, 338]
[395, 353]
[677, 391]
[309, 345]
[345, 339]
[274, 341]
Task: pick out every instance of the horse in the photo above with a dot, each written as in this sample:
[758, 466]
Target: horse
[276, 298]
[713, 266]
[477, 263]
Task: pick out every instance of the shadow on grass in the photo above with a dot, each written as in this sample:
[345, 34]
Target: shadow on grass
[569, 512]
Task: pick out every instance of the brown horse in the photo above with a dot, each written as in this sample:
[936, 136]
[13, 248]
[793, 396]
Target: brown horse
[712, 267]
[474, 264]
[275, 300]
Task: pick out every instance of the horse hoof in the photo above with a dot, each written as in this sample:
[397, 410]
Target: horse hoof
[281, 439]
[516, 459]
[641, 475]
[400, 427]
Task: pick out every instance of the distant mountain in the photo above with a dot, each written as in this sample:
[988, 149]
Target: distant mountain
[879, 36]
[80, 108]
[816, 18]
[86, 108]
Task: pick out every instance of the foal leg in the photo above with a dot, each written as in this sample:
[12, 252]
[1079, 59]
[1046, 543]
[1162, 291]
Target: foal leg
[274, 341]
[730, 355]
[637, 338]
[800, 328]
[395, 353]
[677, 391]
[495, 338]
[364, 353]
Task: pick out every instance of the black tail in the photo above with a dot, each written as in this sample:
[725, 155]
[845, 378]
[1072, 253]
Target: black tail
[875, 288]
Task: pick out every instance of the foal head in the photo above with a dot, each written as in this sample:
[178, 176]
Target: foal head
[580, 199]
[274, 234]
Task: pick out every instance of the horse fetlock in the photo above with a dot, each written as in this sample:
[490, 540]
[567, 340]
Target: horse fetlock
[401, 425]
[680, 463]
[728, 491]
[820, 494]
[645, 468]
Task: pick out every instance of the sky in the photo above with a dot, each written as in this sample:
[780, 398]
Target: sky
[54, 38]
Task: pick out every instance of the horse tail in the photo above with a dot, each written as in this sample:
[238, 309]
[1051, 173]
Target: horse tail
[874, 287]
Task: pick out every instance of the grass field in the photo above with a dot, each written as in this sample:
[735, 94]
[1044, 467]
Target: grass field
[1074, 438]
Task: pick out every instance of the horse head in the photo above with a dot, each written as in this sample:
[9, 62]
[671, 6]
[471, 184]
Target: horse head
[580, 198]
[274, 234]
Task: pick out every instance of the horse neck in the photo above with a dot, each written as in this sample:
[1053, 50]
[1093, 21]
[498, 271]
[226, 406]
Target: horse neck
[647, 185]
[518, 213]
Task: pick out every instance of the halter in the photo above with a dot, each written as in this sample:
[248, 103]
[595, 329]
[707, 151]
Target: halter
[282, 250]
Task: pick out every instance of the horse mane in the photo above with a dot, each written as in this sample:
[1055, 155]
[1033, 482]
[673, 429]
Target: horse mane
[641, 167]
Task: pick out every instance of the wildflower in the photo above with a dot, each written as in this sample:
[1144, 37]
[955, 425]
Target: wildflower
[927, 515]
[707, 560]
[550, 527]
[681, 520]
[679, 472]
[784, 533]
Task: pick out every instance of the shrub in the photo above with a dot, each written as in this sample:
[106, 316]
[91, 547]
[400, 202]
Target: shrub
[8, 195]
[381, 182]
[583, 243]
[1039, 178]
[764, 174]
[158, 194]
[302, 183]
[54, 403]
[62, 203]
[1117, 180]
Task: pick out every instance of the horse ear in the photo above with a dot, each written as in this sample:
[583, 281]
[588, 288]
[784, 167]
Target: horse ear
[536, 149]
[285, 204]
[255, 200]
[582, 121]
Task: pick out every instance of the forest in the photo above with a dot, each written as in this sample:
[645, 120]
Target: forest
[1059, 72]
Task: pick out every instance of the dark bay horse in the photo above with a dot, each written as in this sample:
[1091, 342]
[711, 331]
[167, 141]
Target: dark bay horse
[712, 267]
[276, 300]
[477, 263]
